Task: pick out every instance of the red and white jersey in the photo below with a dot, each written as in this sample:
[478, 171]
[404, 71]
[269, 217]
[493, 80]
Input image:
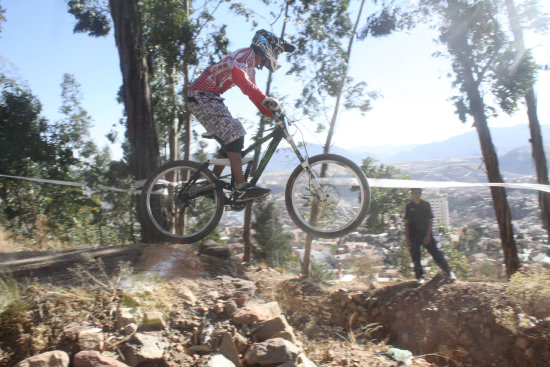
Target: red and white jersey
[237, 68]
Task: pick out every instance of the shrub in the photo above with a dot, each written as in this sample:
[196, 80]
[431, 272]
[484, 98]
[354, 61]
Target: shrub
[530, 291]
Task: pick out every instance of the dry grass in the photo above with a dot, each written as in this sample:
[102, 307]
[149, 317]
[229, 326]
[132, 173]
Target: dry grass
[37, 317]
[530, 291]
[9, 243]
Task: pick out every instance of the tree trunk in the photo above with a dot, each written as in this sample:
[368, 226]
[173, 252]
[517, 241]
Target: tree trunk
[174, 128]
[306, 261]
[187, 115]
[259, 134]
[334, 117]
[539, 156]
[500, 202]
[137, 93]
[330, 133]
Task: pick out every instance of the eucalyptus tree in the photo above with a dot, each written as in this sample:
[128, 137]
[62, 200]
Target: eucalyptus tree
[324, 44]
[530, 17]
[60, 150]
[288, 10]
[179, 38]
[93, 17]
[481, 59]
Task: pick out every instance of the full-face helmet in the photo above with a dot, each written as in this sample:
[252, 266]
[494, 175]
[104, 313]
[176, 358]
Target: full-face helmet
[270, 46]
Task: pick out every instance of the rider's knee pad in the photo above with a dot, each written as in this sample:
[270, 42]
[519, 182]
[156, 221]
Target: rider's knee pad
[235, 146]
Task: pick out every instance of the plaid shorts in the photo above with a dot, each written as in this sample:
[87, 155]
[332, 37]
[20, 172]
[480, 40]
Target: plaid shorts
[213, 114]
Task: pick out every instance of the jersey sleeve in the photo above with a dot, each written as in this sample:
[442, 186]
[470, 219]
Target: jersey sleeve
[241, 80]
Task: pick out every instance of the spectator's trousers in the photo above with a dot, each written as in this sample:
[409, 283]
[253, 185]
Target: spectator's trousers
[433, 249]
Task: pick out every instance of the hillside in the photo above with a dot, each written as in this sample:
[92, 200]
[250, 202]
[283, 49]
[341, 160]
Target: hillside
[505, 140]
[202, 305]
[512, 145]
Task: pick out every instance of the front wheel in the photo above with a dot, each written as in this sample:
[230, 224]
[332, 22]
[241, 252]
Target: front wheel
[181, 202]
[345, 197]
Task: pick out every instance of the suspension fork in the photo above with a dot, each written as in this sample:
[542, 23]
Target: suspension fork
[305, 165]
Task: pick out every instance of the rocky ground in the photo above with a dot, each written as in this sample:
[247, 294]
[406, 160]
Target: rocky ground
[178, 307]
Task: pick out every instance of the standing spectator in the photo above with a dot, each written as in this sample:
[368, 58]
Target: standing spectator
[418, 232]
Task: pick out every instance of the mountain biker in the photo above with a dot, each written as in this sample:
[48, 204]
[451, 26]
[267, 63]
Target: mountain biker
[205, 103]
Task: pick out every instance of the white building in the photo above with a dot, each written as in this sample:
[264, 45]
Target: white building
[440, 207]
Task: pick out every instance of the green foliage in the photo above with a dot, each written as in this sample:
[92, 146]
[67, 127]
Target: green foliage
[389, 19]
[48, 214]
[469, 241]
[323, 44]
[2, 17]
[179, 42]
[362, 267]
[92, 16]
[318, 273]
[479, 45]
[10, 290]
[512, 79]
[451, 249]
[274, 244]
[20, 121]
[400, 258]
[385, 202]
[205, 209]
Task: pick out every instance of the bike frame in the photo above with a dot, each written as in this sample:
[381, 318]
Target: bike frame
[279, 132]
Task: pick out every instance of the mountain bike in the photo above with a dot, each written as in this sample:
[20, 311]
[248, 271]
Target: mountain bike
[326, 195]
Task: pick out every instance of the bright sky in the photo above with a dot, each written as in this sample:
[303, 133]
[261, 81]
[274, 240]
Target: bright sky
[37, 45]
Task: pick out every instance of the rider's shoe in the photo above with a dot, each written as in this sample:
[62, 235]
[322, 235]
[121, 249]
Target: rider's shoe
[249, 192]
[451, 276]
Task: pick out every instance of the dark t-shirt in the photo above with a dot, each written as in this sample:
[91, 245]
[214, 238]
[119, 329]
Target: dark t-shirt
[418, 216]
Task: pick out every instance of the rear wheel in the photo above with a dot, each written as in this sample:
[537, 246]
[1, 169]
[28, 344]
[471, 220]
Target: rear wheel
[345, 196]
[181, 202]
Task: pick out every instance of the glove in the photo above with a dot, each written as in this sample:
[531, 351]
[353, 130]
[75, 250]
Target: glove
[272, 104]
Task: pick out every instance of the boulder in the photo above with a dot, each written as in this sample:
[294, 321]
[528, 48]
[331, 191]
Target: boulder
[154, 320]
[229, 349]
[219, 361]
[275, 327]
[90, 358]
[255, 312]
[56, 358]
[123, 317]
[142, 348]
[271, 352]
[91, 339]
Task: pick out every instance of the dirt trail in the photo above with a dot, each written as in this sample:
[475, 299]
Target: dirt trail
[450, 324]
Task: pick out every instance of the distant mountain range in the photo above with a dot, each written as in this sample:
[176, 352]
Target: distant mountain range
[512, 145]
[505, 140]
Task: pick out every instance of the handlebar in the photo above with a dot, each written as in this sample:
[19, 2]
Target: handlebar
[280, 116]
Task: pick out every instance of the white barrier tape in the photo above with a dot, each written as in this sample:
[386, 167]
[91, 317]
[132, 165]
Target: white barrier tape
[66, 183]
[403, 184]
[373, 182]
